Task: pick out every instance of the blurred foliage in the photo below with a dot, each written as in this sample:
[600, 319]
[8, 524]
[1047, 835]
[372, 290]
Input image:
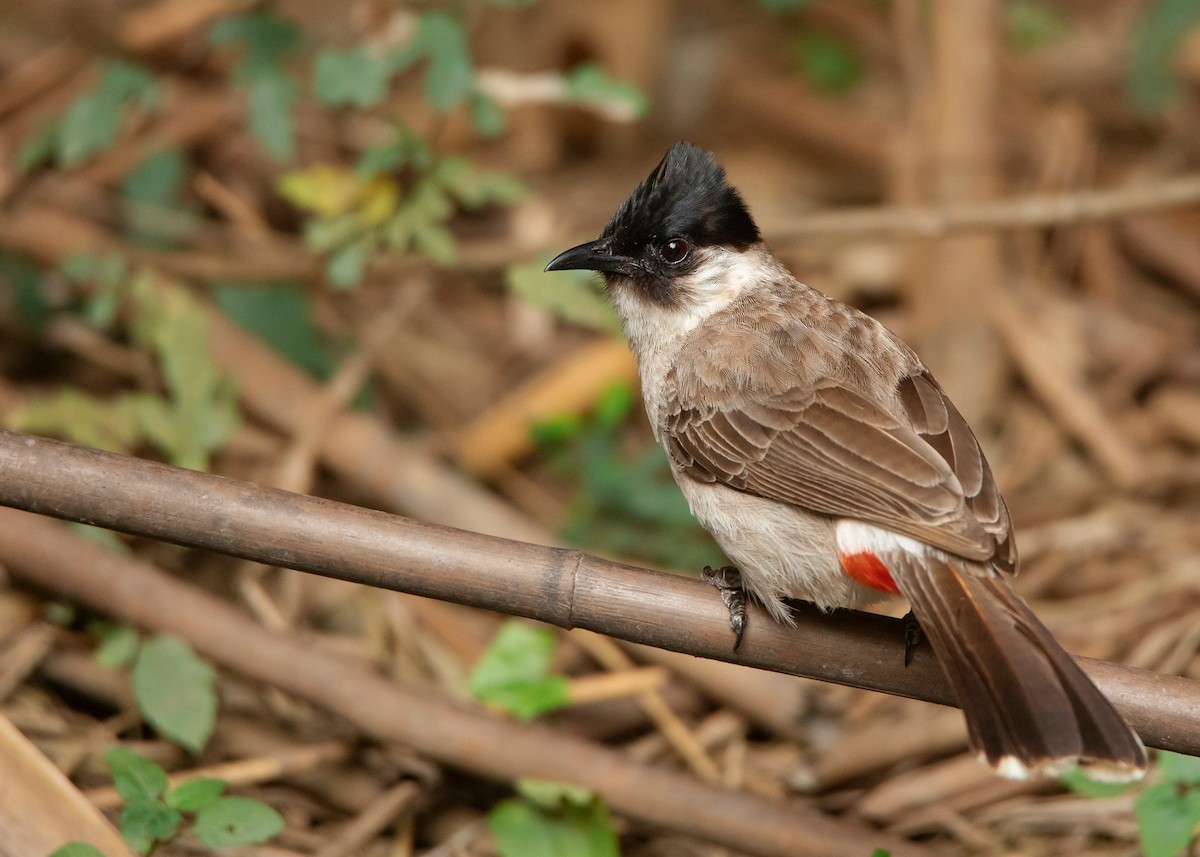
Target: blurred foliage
[93, 120]
[280, 314]
[553, 820]
[573, 296]
[197, 414]
[1152, 85]
[829, 64]
[625, 503]
[265, 41]
[152, 200]
[513, 673]
[1032, 25]
[399, 197]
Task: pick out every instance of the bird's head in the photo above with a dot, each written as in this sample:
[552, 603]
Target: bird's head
[672, 245]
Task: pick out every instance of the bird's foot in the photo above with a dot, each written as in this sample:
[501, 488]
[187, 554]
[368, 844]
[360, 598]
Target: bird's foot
[728, 581]
[912, 636]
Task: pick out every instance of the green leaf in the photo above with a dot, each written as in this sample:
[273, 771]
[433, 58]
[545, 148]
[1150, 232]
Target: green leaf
[1080, 783]
[486, 113]
[1166, 818]
[175, 691]
[146, 821]
[24, 279]
[93, 120]
[345, 268]
[1178, 768]
[271, 96]
[1033, 25]
[135, 776]
[232, 821]
[405, 148]
[80, 418]
[556, 430]
[827, 63]
[590, 84]
[152, 198]
[435, 242]
[524, 829]
[448, 79]
[280, 314]
[118, 645]
[1149, 78]
[266, 39]
[573, 296]
[350, 78]
[881, 852]
[77, 849]
[195, 795]
[512, 674]
[474, 188]
[549, 794]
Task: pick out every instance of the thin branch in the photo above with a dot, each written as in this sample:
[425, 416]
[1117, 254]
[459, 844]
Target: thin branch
[562, 587]
[47, 555]
[1036, 210]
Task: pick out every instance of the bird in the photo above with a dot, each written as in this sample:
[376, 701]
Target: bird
[830, 466]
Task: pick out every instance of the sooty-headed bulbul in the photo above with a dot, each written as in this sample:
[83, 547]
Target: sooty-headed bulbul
[829, 465]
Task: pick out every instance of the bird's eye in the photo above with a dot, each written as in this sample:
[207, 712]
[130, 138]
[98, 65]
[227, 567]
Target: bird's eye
[674, 251]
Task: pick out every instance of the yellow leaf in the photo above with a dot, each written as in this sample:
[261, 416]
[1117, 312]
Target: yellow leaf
[324, 189]
[378, 199]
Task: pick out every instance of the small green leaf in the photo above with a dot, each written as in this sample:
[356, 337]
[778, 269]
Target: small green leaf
[146, 821]
[118, 645]
[512, 674]
[271, 96]
[232, 821]
[93, 120]
[345, 268]
[281, 315]
[435, 242]
[590, 84]
[881, 852]
[487, 115]
[135, 776]
[448, 80]
[828, 64]
[77, 849]
[175, 691]
[524, 829]
[1080, 783]
[195, 795]
[573, 296]
[549, 794]
[1178, 768]
[473, 188]
[1166, 818]
[350, 78]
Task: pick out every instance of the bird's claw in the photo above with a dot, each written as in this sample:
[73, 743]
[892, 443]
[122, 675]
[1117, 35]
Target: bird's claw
[728, 581]
[912, 636]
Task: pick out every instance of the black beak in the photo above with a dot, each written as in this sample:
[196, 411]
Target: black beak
[589, 256]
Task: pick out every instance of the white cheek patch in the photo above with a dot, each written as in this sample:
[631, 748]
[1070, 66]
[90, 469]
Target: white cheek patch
[719, 277]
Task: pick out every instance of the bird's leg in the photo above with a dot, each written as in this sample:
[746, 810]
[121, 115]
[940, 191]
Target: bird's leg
[728, 581]
[912, 636]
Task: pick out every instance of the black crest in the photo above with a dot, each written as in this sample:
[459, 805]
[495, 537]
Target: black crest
[685, 196]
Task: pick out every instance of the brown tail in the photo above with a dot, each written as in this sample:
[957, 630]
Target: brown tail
[1029, 707]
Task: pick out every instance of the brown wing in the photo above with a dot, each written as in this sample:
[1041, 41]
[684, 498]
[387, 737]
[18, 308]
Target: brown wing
[834, 451]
